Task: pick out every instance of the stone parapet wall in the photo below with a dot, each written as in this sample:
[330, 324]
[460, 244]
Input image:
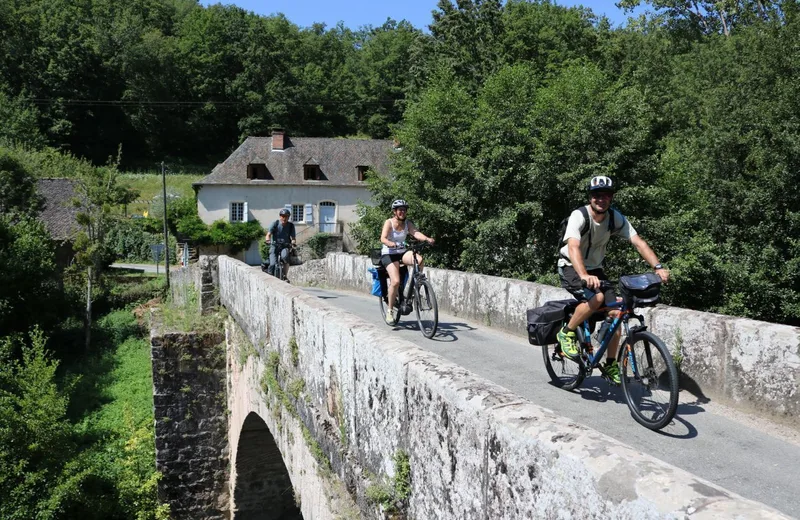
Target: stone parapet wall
[475, 450]
[753, 365]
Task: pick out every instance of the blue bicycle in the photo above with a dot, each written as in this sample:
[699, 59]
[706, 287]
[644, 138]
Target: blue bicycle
[648, 374]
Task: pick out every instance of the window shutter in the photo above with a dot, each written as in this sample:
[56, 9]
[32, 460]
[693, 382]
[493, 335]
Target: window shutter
[309, 211]
[244, 212]
[289, 207]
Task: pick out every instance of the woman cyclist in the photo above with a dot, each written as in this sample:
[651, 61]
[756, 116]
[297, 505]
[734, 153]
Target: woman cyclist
[394, 233]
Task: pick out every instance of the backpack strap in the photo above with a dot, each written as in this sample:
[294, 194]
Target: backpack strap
[585, 228]
[273, 228]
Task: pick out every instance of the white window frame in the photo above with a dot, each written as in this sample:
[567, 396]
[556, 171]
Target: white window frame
[298, 209]
[234, 208]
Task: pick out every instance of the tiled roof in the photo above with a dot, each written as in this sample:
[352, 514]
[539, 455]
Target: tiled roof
[337, 160]
[57, 213]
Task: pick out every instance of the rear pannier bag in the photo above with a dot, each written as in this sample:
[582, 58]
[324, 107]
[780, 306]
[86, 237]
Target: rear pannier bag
[544, 322]
[640, 290]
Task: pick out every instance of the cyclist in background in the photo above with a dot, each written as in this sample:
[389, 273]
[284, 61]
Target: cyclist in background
[393, 237]
[581, 260]
[279, 235]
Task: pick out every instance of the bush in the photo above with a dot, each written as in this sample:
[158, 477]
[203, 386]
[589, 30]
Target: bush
[318, 243]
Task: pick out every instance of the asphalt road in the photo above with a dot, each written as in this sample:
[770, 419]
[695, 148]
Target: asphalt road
[743, 454]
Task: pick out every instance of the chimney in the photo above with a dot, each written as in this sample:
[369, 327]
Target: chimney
[277, 139]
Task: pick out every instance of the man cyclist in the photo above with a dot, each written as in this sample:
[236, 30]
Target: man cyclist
[393, 235]
[581, 260]
[279, 234]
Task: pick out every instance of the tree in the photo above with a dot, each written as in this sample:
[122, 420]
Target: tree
[99, 196]
[29, 289]
[34, 430]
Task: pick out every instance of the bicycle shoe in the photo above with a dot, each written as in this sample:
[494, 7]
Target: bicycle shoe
[612, 371]
[568, 342]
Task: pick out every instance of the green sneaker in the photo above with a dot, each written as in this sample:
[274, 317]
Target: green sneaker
[612, 371]
[568, 342]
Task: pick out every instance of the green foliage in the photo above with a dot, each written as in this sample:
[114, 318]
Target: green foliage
[318, 243]
[184, 314]
[237, 235]
[130, 239]
[393, 496]
[34, 432]
[17, 187]
[29, 292]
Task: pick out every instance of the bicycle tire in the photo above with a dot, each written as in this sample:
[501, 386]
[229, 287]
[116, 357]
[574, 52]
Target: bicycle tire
[279, 270]
[395, 314]
[425, 302]
[564, 372]
[649, 380]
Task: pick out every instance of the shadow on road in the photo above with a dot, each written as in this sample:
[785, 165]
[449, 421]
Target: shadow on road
[445, 332]
[679, 428]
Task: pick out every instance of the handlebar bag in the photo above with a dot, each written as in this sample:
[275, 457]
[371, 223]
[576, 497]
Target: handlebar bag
[544, 322]
[641, 289]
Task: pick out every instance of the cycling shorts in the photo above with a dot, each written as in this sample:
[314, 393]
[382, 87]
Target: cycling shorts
[572, 283]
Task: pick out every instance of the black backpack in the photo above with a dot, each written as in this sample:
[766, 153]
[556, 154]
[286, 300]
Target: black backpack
[585, 228]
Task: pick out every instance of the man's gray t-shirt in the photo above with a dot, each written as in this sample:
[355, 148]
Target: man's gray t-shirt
[282, 233]
[600, 235]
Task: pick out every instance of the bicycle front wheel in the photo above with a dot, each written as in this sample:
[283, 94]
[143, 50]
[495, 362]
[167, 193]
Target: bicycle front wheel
[649, 380]
[427, 308]
[564, 372]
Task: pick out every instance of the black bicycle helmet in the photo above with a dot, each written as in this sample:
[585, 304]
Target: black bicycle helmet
[284, 211]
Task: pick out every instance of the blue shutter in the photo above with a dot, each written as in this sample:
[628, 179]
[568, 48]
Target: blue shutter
[309, 212]
[289, 207]
[244, 213]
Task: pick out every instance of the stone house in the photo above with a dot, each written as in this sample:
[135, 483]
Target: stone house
[320, 180]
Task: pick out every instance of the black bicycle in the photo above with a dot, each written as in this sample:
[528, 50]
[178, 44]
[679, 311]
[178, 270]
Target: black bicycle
[417, 294]
[280, 268]
[648, 374]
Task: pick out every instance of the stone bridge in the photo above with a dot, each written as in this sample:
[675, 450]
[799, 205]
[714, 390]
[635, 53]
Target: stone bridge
[301, 410]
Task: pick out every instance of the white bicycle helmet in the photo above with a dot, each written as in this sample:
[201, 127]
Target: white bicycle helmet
[399, 203]
[601, 183]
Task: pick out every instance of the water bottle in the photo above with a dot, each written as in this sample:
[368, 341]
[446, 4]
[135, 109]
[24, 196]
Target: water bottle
[601, 333]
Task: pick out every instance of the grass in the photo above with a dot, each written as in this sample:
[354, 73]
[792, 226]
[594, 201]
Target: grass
[149, 185]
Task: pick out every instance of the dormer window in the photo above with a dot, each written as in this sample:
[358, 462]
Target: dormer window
[311, 172]
[362, 172]
[258, 171]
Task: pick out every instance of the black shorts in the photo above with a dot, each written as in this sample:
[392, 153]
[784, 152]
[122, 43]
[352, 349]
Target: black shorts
[572, 283]
[390, 259]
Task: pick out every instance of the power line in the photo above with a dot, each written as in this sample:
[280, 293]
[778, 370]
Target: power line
[182, 103]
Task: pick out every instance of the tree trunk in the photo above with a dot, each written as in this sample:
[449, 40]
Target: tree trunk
[88, 331]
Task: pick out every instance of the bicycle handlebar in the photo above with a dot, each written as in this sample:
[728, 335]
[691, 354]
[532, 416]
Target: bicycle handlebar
[604, 285]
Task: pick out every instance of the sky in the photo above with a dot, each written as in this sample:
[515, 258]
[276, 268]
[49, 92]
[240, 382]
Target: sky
[357, 13]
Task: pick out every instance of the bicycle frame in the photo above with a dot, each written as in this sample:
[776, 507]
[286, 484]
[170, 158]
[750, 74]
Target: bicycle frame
[621, 320]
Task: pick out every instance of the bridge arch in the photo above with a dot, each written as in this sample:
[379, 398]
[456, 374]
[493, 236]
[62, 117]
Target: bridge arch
[262, 488]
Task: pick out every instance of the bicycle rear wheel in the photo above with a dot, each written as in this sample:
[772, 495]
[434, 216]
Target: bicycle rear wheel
[395, 313]
[564, 372]
[649, 380]
[427, 308]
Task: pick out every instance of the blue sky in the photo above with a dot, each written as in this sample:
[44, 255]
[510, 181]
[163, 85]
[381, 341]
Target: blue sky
[356, 13]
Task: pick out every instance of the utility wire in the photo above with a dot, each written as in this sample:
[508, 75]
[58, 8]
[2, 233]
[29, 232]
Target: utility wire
[142, 102]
